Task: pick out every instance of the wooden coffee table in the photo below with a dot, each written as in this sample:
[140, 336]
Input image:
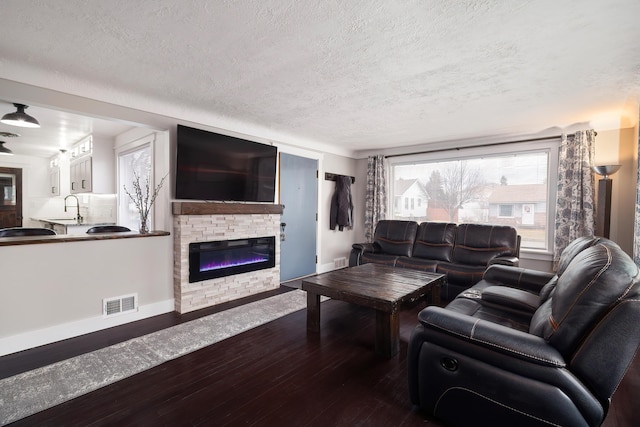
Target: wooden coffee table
[380, 287]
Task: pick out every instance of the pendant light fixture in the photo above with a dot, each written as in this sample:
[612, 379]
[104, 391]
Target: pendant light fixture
[4, 151]
[20, 118]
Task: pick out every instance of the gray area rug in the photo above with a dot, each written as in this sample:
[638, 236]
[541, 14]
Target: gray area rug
[30, 392]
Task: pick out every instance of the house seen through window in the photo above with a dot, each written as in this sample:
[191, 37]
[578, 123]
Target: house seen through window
[503, 189]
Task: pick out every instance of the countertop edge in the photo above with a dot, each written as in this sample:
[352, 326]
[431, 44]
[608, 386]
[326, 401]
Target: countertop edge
[68, 238]
[72, 222]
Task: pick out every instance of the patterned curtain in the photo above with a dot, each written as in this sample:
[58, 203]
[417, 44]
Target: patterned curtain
[576, 197]
[376, 195]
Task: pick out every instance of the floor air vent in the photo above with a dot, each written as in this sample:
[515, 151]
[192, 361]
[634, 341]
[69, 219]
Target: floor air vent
[119, 305]
[340, 262]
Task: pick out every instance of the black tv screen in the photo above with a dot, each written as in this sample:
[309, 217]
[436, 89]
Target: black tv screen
[212, 166]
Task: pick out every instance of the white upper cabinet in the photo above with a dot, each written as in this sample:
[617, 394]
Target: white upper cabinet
[92, 166]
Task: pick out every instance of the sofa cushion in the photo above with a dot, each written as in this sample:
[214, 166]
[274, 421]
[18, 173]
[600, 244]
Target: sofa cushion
[461, 274]
[478, 244]
[414, 263]
[395, 237]
[379, 259]
[435, 240]
[593, 281]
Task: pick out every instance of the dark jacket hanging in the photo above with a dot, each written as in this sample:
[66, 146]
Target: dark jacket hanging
[341, 213]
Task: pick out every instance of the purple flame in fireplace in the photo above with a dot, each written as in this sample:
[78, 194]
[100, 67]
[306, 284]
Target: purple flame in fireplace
[216, 265]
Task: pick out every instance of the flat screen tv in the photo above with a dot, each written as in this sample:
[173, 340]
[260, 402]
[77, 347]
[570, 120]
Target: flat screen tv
[212, 166]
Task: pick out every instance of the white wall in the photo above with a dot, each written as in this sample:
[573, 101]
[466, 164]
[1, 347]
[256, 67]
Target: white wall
[54, 291]
[335, 243]
[620, 146]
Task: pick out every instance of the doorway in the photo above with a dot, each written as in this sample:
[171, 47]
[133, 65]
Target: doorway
[299, 196]
[10, 197]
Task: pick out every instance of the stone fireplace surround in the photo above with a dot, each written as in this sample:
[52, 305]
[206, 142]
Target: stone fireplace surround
[212, 221]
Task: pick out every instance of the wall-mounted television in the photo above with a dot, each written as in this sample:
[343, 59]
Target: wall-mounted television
[212, 166]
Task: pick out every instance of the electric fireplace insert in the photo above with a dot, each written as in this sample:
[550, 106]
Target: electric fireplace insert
[210, 260]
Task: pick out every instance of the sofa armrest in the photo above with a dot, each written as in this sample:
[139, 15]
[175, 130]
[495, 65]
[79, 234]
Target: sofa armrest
[505, 260]
[471, 336]
[517, 277]
[364, 247]
[357, 249]
[513, 298]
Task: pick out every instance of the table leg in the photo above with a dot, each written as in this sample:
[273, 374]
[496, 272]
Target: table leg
[387, 333]
[433, 294]
[313, 312]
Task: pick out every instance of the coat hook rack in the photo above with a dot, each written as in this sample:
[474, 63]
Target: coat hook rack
[332, 177]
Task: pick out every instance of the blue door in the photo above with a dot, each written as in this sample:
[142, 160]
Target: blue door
[299, 195]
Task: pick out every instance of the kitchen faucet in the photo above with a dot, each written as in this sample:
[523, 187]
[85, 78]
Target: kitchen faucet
[78, 217]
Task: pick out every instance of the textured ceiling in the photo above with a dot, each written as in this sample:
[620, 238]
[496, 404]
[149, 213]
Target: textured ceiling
[368, 74]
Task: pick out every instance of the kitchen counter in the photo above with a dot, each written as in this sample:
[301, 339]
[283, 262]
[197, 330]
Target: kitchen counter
[66, 238]
[71, 221]
[68, 225]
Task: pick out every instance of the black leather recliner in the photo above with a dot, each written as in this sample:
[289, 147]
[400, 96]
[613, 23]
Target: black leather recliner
[530, 348]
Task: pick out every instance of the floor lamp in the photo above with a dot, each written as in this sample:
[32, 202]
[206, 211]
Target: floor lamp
[605, 184]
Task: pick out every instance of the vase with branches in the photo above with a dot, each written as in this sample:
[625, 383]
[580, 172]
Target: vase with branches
[143, 198]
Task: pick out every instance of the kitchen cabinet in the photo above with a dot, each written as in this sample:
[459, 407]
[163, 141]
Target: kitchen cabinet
[92, 166]
[81, 175]
[54, 181]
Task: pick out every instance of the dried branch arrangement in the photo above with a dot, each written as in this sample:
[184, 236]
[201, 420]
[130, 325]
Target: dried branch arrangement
[143, 198]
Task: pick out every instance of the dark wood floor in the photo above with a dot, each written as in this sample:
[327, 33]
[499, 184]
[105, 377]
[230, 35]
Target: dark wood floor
[275, 374]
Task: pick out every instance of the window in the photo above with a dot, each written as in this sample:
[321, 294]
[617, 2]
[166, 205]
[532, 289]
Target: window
[505, 211]
[509, 184]
[136, 160]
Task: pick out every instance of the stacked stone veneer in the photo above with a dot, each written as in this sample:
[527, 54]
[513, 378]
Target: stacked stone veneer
[215, 227]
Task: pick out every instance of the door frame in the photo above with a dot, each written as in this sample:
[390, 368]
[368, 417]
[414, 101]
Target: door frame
[18, 206]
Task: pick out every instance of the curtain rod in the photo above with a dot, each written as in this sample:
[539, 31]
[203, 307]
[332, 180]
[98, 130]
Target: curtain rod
[544, 138]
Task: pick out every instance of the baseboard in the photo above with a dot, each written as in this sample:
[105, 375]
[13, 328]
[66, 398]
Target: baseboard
[324, 268]
[330, 266]
[27, 340]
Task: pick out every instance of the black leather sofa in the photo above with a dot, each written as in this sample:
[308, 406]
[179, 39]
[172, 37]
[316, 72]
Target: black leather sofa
[462, 252]
[530, 348]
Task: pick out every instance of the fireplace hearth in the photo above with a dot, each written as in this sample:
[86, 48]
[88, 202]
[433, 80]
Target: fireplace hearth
[210, 260]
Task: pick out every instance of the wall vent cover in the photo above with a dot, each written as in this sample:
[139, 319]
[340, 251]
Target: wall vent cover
[340, 262]
[119, 305]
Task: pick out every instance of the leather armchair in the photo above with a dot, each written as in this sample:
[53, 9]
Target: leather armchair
[522, 351]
